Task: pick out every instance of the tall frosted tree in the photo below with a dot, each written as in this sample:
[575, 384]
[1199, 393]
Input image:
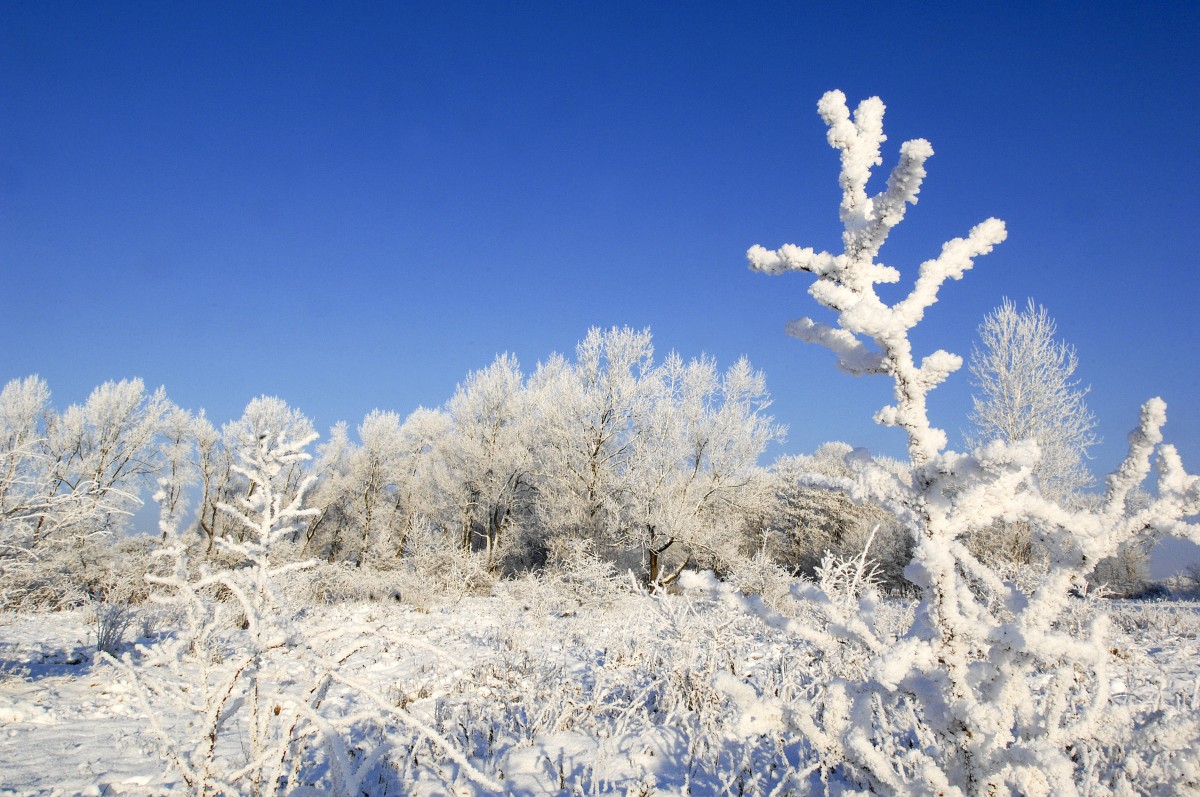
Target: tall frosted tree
[1025, 390]
[487, 453]
[587, 412]
[694, 475]
[79, 472]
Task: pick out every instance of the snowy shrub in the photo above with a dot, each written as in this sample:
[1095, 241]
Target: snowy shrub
[113, 620]
[577, 569]
[760, 574]
[573, 579]
[47, 581]
[988, 691]
[809, 518]
[264, 708]
[1166, 621]
[1125, 573]
[342, 582]
[73, 574]
[216, 685]
[846, 580]
[439, 571]
[619, 701]
[1187, 583]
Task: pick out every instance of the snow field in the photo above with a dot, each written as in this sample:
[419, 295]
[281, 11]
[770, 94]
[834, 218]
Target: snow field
[674, 694]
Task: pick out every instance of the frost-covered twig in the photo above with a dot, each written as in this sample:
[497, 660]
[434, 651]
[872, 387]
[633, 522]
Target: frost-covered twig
[846, 282]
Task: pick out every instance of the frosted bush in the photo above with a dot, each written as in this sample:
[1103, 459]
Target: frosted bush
[343, 582]
[439, 571]
[989, 691]
[846, 580]
[113, 620]
[575, 568]
[268, 707]
[760, 575]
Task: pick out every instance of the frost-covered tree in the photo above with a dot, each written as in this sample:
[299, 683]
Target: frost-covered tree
[989, 691]
[646, 462]
[587, 414]
[25, 493]
[487, 454]
[694, 474]
[418, 484]
[180, 469]
[264, 417]
[68, 480]
[106, 451]
[77, 473]
[362, 513]
[1026, 390]
[214, 461]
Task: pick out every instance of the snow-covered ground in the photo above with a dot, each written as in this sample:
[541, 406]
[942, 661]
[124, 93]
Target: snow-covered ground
[541, 693]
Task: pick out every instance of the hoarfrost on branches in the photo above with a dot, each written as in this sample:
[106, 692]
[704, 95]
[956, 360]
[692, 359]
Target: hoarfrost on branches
[235, 698]
[959, 702]
[846, 282]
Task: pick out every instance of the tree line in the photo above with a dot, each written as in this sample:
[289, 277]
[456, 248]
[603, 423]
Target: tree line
[652, 466]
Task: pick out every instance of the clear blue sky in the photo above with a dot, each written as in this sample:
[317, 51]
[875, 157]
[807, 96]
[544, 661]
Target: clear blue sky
[351, 205]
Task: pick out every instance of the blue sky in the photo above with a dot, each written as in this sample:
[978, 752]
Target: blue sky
[351, 205]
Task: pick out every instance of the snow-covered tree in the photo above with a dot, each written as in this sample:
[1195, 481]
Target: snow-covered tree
[1025, 390]
[68, 480]
[179, 470]
[81, 470]
[418, 491]
[587, 414]
[25, 494]
[105, 451]
[1024, 378]
[362, 512]
[646, 462]
[487, 454]
[988, 691]
[694, 474]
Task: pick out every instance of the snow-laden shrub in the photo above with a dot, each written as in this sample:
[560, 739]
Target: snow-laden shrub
[438, 571]
[574, 579]
[760, 574]
[113, 620]
[807, 521]
[73, 574]
[47, 581]
[264, 707]
[343, 582]
[990, 690]
[575, 568]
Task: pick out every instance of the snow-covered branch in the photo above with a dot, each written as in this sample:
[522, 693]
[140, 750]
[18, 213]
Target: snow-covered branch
[969, 674]
[846, 282]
